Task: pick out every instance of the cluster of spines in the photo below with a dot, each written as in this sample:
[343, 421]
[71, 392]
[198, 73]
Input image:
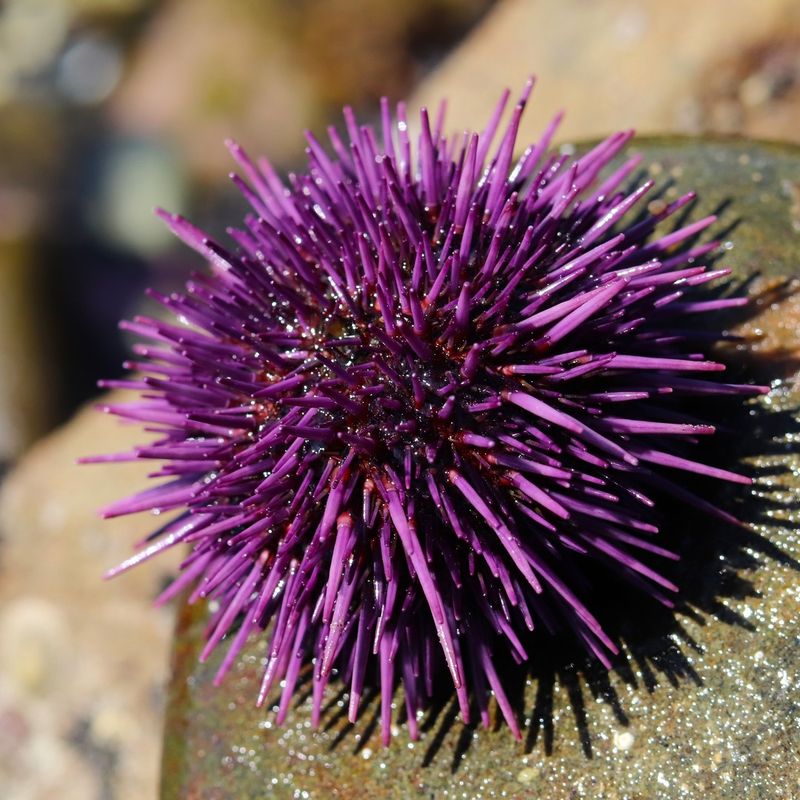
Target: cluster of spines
[421, 395]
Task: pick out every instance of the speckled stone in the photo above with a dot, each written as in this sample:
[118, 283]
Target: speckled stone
[83, 663]
[703, 703]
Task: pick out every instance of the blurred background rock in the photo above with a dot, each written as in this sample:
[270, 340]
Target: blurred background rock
[109, 107]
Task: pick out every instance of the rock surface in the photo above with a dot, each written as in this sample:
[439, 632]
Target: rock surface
[682, 66]
[83, 664]
[263, 71]
[703, 703]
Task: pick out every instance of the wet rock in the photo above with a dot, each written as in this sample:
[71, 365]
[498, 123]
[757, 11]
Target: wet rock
[702, 703]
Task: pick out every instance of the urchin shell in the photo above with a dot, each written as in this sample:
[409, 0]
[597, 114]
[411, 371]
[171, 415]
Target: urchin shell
[419, 397]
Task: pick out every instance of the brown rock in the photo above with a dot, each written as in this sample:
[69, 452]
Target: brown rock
[83, 663]
[263, 71]
[681, 66]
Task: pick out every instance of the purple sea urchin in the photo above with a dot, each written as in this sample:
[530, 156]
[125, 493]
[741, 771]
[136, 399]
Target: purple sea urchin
[417, 400]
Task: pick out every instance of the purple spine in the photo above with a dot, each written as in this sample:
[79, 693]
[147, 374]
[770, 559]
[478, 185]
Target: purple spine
[426, 387]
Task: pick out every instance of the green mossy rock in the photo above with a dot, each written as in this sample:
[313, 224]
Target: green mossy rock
[704, 702]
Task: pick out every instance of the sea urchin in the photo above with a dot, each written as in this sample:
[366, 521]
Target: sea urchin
[421, 394]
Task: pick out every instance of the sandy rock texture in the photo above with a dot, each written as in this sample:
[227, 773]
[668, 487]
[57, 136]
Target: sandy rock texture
[83, 663]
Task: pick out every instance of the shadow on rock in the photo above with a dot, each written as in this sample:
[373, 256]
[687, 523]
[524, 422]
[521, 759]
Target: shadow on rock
[714, 574]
